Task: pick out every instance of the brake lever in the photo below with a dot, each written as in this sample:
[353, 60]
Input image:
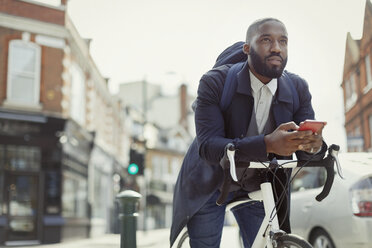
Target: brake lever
[231, 155]
[334, 153]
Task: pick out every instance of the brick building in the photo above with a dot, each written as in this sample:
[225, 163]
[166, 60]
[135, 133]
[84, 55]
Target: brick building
[357, 87]
[166, 124]
[62, 139]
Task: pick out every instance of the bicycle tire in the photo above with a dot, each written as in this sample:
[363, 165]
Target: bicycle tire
[292, 241]
[183, 238]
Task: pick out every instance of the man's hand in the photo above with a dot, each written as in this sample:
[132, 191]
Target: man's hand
[314, 143]
[285, 143]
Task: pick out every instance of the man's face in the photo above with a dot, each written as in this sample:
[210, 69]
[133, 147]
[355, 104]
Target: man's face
[267, 54]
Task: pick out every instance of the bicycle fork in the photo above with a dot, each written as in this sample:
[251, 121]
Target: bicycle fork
[270, 222]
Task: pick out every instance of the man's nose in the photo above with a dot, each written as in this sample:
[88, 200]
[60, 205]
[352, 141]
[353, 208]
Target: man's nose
[275, 47]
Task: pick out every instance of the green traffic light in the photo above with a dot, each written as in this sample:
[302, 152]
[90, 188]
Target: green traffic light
[133, 169]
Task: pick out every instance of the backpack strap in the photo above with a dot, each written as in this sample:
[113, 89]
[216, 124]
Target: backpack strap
[296, 100]
[230, 85]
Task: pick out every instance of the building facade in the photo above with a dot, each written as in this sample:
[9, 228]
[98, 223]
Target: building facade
[162, 127]
[357, 87]
[163, 165]
[63, 146]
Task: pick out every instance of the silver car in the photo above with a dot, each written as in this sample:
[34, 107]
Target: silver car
[344, 218]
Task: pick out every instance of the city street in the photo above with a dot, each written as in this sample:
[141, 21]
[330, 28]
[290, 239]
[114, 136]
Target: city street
[151, 239]
[98, 128]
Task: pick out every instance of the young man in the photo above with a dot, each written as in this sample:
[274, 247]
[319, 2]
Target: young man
[261, 122]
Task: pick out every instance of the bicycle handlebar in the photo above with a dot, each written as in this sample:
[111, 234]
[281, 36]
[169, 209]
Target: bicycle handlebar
[327, 162]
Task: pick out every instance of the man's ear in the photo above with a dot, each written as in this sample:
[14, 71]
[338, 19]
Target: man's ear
[246, 48]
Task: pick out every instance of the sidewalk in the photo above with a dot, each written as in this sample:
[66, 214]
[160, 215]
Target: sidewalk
[151, 239]
[158, 238]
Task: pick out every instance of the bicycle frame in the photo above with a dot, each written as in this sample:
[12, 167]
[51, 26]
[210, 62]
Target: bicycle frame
[269, 234]
[270, 224]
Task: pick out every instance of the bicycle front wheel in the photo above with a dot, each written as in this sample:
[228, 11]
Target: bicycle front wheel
[292, 241]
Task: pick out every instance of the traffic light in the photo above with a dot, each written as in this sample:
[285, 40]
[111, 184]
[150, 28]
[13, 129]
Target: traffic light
[136, 162]
[133, 169]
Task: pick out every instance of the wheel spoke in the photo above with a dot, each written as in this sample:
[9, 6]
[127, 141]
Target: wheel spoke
[318, 243]
[292, 241]
[322, 242]
[326, 243]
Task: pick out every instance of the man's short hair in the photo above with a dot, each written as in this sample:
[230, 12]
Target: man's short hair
[253, 28]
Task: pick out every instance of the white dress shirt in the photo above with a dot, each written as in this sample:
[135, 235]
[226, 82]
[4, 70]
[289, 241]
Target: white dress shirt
[263, 96]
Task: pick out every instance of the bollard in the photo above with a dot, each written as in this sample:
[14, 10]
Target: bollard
[128, 201]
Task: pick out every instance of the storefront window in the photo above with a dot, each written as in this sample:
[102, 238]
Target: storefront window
[100, 185]
[2, 158]
[74, 195]
[53, 192]
[23, 195]
[1, 190]
[22, 158]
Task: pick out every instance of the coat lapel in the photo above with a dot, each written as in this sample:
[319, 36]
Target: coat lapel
[282, 105]
[240, 111]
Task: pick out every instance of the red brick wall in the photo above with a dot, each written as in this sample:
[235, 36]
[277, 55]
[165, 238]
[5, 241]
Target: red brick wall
[50, 71]
[367, 135]
[33, 11]
[51, 79]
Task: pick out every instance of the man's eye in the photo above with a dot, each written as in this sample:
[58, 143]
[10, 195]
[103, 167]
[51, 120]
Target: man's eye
[284, 42]
[266, 40]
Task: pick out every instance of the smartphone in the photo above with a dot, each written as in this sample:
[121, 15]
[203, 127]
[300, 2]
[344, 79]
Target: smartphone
[312, 125]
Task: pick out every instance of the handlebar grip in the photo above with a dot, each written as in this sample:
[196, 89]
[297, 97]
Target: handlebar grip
[334, 147]
[225, 164]
[329, 180]
[328, 164]
[230, 147]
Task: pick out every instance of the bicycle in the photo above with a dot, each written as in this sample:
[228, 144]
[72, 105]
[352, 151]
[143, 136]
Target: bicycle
[269, 234]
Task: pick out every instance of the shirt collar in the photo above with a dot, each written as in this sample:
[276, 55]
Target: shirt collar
[256, 84]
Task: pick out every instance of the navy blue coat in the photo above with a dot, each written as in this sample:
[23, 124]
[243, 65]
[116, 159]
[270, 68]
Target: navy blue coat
[201, 175]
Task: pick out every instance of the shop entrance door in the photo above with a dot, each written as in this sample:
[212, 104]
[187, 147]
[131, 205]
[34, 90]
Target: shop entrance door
[23, 206]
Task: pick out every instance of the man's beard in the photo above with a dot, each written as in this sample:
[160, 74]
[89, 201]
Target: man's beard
[263, 69]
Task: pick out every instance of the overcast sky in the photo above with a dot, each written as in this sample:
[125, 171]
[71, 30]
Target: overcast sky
[169, 41]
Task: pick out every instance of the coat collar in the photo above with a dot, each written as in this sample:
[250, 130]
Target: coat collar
[283, 93]
[244, 81]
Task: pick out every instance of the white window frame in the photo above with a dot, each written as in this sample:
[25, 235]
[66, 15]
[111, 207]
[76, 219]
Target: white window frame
[35, 75]
[367, 60]
[78, 95]
[350, 90]
[355, 141]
